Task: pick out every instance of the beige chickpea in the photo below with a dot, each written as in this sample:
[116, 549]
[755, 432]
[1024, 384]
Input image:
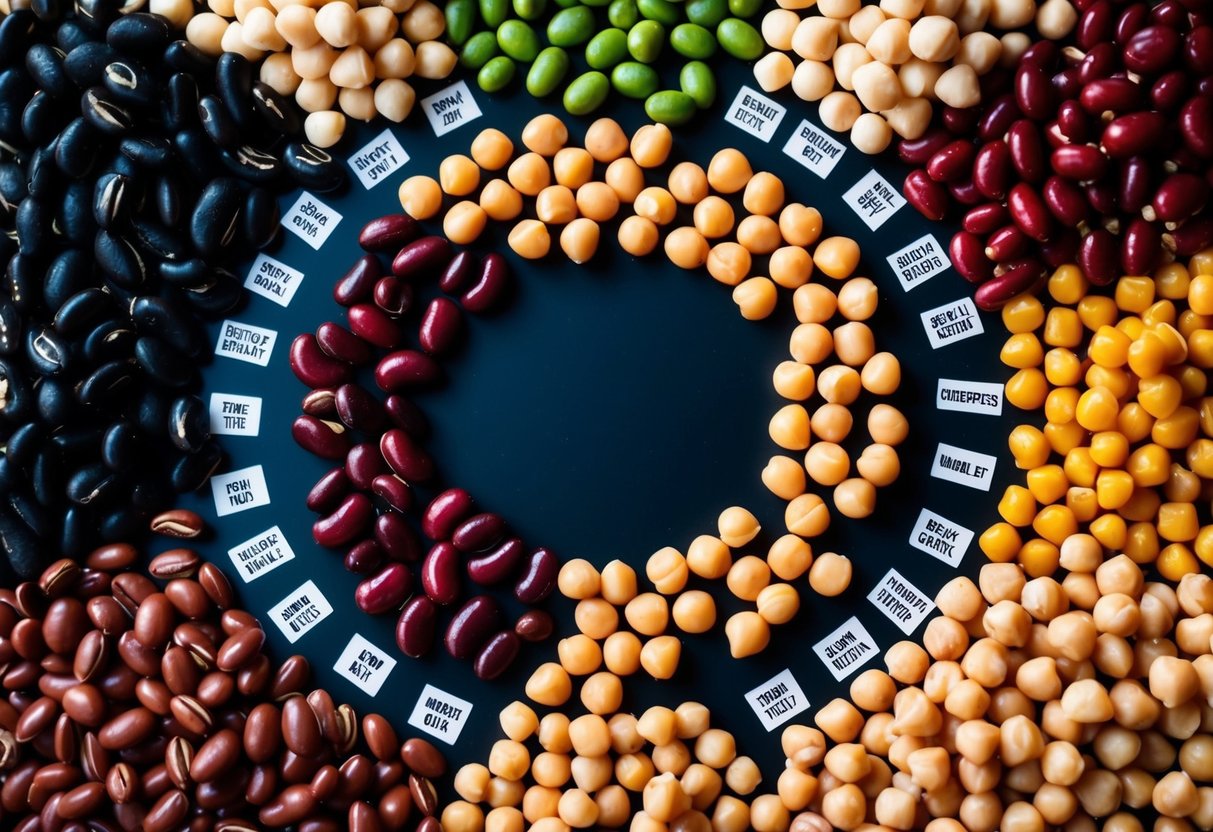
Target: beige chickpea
[759, 235]
[778, 603]
[812, 80]
[709, 557]
[617, 583]
[729, 262]
[625, 738]
[688, 183]
[579, 654]
[651, 145]
[657, 204]
[664, 799]
[686, 248]
[578, 579]
[621, 653]
[910, 118]
[827, 463]
[394, 99]
[768, 814]
[590, 735]
[316, 95]
[864, 22]
[830, 574]
[397, 59]
[549, 685]
[887, 425]
[811, 343]
[881, 374]
[876, 85]
[958, 87]
[502, 792]
[731, 814]
[668, 570]
[420, 197]
[530, 239]
[907, 662]
[844, 806]
[551, 770]
[637, 236]
[747, 577]
[337, 23]
[492, 149]
[815, 38]
[857, 299]
[790, 266]
[814, 303]
[694, 611]
[789, 557]
[794, 380]
[597, 201]
[918, 78]
[873, 690]
[579, 239]
[591, 773]
[799, 225]
[509, 759]
[314, 62]
[206, 31]
[778, 26]
[784, 477]
[729, 171]
[807, 516]
[748, 634]
[871, 134]
[461, 816]
[529, 173]
[854, 343]
[934, 38]
[658, 725]
[848, 58]
[596, 618]
[945, 639]
[890, 42]
[472, 782]
[464, 222]
[556, 205]
[737, 526]
[614, 808]
[324, 129]
[660, 656]
[435, 60]
[518, 721]
[277, 71]
[605, 140]
[879, 465]
[715, 748]
[500, 201]
[647, 614]
[773, 71]
[540, 803]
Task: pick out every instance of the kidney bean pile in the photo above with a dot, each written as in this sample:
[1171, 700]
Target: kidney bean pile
[133, 171]
[1097, 151]
[364, 502]
[136, 702]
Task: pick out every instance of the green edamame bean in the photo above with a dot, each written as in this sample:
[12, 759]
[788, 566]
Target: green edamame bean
[518, 40]
[606, 49]
[744, 8]
[571, 27]
[460, 20]
[547, 72]
[530, 9]
[623, 14]
[496, 74]
[663, 11]
[494, 12]
[635, 80]
[595, 3]
[567, 4]
[697, 81]
[586, 93]
[478, 50]
[670, 107]
[645, 40]
[739, 39]
[707, 13]
[693, 41]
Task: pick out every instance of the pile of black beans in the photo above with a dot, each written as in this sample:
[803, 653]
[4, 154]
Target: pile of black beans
[135, 172]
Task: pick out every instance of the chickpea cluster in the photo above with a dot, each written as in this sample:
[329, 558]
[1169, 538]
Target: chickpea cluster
[1126, 451]
[338, 58]
[879, 69]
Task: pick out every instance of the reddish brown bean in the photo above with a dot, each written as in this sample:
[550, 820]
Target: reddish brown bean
[985, 218]
[215, 756]
[347, 522]
[441, 326]
[364, 557]
[440, 574]
[263, 733]
[300, 728]
[471, 626]
[388, 233]
[423, 758]
[952, 161]
[1019, 278]
[175, 563]
[312, 367]
[534, 625]
[380, 737]
[479, 532]
[1099, 257]
[1029, 212]
[384, 591]
[420, 258]
[327, 440]
[406, 369]
[417, 626]
[355, 286]
[1065, 201]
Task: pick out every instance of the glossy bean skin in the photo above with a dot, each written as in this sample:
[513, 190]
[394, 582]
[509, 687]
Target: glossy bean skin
[384, 591]
[497, 655]
[440, 574]
[498, 564]
[538, 577]
[417, 626]
[471, 627]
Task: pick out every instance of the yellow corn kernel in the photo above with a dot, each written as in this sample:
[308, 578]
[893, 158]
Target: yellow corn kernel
[1063, 328]
[1159, 312]
[1199, 458]
[1134, 294]
[1206, 416]
[1080, 468]
[1189, 322]
[1178, 430]
[1022, 350]
[1024, 313]
[1192, 380]
[1131, 325]
[1201, 262]
[1048, 483]
[1039, 558]
[1110, 530]
[1029, 447]
[1060, 405]
[1083, 503]
[1000, 542]
[1097, 310]
[1141, 542]
[1200, 294]
[1175, 561]
[1097, 409]
[1113, 488]
[1200, 348]
[1109, 347]
[1177, 522]
[1173, 341]
[1159, 395]
[1065, 438]
[1116, 379]
[1148, 354]
[1150, 465]
[1142, 507]
[1027, 389]
[1062, 367]
[1067, 285]
[1134, 422]
[1017, 506]
[1109, 449]
[1203, 547]
[1055, 524]
[1172, 281]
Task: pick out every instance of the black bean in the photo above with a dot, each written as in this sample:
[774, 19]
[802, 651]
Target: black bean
[77, 528]
[130, 84]
[71, 34]
[103, 112]
[45, 66]
[278, 112]
[21, 548]
[120, 524]
[197, 153]
[42, 118]
[33, 226]
[77, 148]
[216, 122]
[108, 386]
[167, 195]
[139, 33]
[12, 187]
[159, 241]
[181, 106]
[67, 274]
[150, 152]
[119, 259]
[151, 411]
[183, 56]
[77, 442]
[46, 477]
[10, 327]
[109, 341]
[113, 196]
[121, 445]
[92, 482]
[56, 401]
[25, 443]
[152, 493]
[234, 83]
[188, 274]
[28, 511]
[10, 477]
[76, 213]
[99, 13]
[163, 319]
[221, 296]
[47, 351]
[85, 65]
[16, 397]
[260, 218]
[193, 470]
[251, 164]
[213, 223]
[24, 282]
[50, 11]
[164, 364]
[42, 175]
[82, 311]
[312, 168]
[15, 31]
[189, 424]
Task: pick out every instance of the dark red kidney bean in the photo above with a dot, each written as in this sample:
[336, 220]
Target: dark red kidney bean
[1100, 61]
[364, 557]
[441, 326]
[490, 285]
[1198, 50]
[386, 590]
[338, 342]
[1073, 122]
[1130, 135]
[372, 324]
[1019, 278]
[363, 463]
[420, 258]
[1099, 257]
[927, 196]
[393, 295]
[319, 403]
[1136, 188]
[1054, 136]
[327, 440]
[1027, 152]
[951, 162]
[992, 170]
[479, 532]
[1065, 201]
[394, 491]
[325, 782]
[355, 286]
[1151, 49]
[404, 369]
[1042, 54]
[538, 577]
[1061, 249]
[1006, 243]
[347, 522]
[534, 625]
[358, 409]
[240, 648]
[497, 565]
[1101, 195]
[965, 192]
[416, 627]
[1179, 197]
[445, 512]
[1196, 126]
[291, 806]
[959, 122]
[985, 218]
[1029, 212]
[1140, 247]
[296, 768]
[396, 537]
[1096, 24]
[1170, 91]
[300, 728]
[1116, 95]
[405, 456]
[1170, 13]
[216, 756]
[1130, 21]
[388, 233]
[968, 256]
[405, 415]
[471, 626]
[263, 733]
[1066, 83]
[1193, 236]
[440, 574]
[454, 278]
[1080, 162]
[918, 151]
[315, 369]
[1034, 91]
[497, 655]
[998, 118]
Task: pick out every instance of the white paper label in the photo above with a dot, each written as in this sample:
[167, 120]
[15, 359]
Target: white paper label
[261, 554]
[960, 465]
[311, 220]
[233, 415]
[874, 200]
[245, 342]
[440, 714]
[272, 279]
[756, 114]
[969, 396]
[951, 322]
[239, 490]
[378, 159]
[901, 602]
[811, 147]
[298, 613]
[846, 649]
[365, 665]
[450, 108]
[940, 538]
[777, 700]
[918, 262]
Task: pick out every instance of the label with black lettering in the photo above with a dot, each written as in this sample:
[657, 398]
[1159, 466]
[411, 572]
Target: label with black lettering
[777, 700]
[378, 159]
[960, 465]
[298, 613]
[901, 602]
[239, 490]
[756, 114]
[969, 396]
[233, 415]
[274, 280]
[311, 220]
[245, 342]
[261, 554]
[440, 714]
[846, 649]
[450, 108]
[918, 262]
[874, 200]
[365, 665]
[940, 538]
[951, 322]
[811, 147]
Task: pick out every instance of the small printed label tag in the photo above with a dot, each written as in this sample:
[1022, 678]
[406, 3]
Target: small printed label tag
[245, 342]
[756, 114]
[450, 108]
[960, 465]
[239, 490]
[311, 220]
[365, 665]
[233, 415]
[846, 649]
[951, 322]
[918, 262]
[261, 554]
[969, 396]
[777, 700]
[298, 613]
[902, 602]
[940, 538]
[811, 147]
[272, 279]
[440, 714]
[378, 159]
[874, 200]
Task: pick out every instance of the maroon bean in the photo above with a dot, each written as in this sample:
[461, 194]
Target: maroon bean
[1140, 247]
[1179, 197]
[405, 457]
[262, 785]
[363, 558]
[112, 557]
[1170, 91]
[355, 285]
[395, 806]
[1135, 185]
[338, 342]
[348, 521]
[1006, 243]
[300, 728]
[1198, 50]
[445, 512]
[327, 440]
[92, 656]
[252, 680]
[363, 463]
[1116, 95]
[127, 730]
[405, 415]
[393, 295]
[490, 284]
[1098, 257]
[534, 625]
[422, 257]
[965, 192]
[216, 585]
[1100, 61]
[441, 326]
[394, 491]
[291, 677]
[425, 796]
[458, 272]
[416, 627]
[312, 367]
[1073, 122]
[951, 162]
[959, 122]
[927, 196]
[1196, 126]
[1193, 236]
[1080, 162]
[1061, 249]
[1129, 135]
[175, 563]
[479, 532]
[84, 703]
[998, 118]
[992, 170]
[396, 537]
[262, 733]
[918, 151]
[497, 655]
[328, 491]
[1042, 54]
[386, 590]
[388, 233]
[154, 620]
[538, 577]
[1130, 21]
[1019, 278]
[59, 578]
[1101, 196]
[215, 756]
[372, 324]
[358, 409]
[429, 825]
[1066, 84]
[291, 806]
[406, 368]
[423, 758]
[180, 675]
[471, 626]
[191, 714]
[319, 403]
[440, 574]
[240, 649]
[28, 640]
[237, 621]
[1027, 153]
[968, 256]
[215, 689]
[1034, 91]
[43, 712]
[1151, 49]
[1029, 212]
[155, 695]
[108, 616]
[1065, 201]
[985, 218]
[498, 565]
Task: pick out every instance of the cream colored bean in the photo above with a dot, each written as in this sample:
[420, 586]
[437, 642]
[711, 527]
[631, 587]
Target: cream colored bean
[313, 62]
[981, 50]
[877, 86]
[394, 99]
[206, 31]
[376, 26]
[395, 59]
[748, 633]
[958, 87]
[864, 22]
[774, 71]
[337, 23]
[838, 9]
[910, 118]
[778, 26]
[812, 80]
[435, 60]
[890, 43]
[848, 58]
[1014, 44]
[297, 26]
[815, 38]
[276, 70]
[359, 104]
[316, 95]
[668, 570]
[621, 653]
[1056, 18]
[423, 22]
[353, 69]
[1009, 14]
[234, 41]
[934, 38]
[260, 32]
[839, 111]
[918, 78]
[324, 129]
